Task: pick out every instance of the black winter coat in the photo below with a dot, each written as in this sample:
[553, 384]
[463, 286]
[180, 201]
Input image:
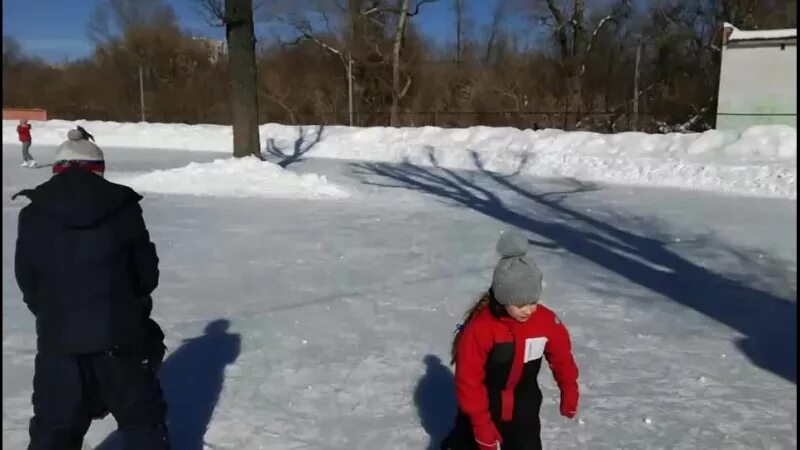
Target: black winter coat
[85, 264]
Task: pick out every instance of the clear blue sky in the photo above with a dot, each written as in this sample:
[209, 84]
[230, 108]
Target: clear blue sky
[56, 29]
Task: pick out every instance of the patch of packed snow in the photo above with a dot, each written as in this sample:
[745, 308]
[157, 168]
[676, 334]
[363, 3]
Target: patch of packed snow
[759, 161]
[244, 177]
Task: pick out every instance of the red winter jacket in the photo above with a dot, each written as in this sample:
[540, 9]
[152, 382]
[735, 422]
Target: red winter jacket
[488, 384]
[24, 132]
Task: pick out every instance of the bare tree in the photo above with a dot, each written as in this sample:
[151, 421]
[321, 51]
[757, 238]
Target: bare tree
[274, 90]
[459, 10]
[359, 12]
[402, 20]
[237, 17]
[400, 33]
[501, 81]
[575, 41]
[752, 14]
[494, 29]
[133, 13]
[306, 32]
[12, 50]
[98, 28]
[111, 18]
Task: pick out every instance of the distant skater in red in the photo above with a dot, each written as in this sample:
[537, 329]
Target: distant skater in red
[24, 133]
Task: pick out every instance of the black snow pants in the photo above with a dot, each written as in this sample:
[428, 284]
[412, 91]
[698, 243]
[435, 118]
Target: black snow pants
[517, 435]
[68, 389]
[523, 431]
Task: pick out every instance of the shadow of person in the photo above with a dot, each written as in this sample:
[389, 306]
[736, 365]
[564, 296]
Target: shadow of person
[435, 400]
[192, 378]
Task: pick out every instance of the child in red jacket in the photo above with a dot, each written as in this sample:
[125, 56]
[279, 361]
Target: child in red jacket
[498, 353]
[24, 133]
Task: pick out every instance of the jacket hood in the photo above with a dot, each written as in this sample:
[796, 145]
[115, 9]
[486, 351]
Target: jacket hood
[79, 198]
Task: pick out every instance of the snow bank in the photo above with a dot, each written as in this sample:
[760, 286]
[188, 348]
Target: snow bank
[760, 161]
[245, 177]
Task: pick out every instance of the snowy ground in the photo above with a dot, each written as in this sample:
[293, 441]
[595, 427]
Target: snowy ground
[323, 323]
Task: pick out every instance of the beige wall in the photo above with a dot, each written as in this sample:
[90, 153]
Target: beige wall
[757, 77]
[30, 114]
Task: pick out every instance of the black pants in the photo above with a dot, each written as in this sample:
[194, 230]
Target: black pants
[66, 390]
[517, 434]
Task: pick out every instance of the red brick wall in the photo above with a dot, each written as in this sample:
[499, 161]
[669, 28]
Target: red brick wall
[30, 114]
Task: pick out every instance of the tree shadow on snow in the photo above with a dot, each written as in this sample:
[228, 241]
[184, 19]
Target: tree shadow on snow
[768, 322]
[435, 399]
[300, 148]
[192, 378]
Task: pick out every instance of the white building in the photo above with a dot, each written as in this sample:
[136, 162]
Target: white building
[758, 78]
[216, 48]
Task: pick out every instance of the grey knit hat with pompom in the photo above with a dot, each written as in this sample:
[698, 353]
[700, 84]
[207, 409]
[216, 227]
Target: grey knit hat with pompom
[516, 280]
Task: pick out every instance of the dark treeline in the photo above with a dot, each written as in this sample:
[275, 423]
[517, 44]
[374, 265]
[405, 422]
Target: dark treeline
[547, 63]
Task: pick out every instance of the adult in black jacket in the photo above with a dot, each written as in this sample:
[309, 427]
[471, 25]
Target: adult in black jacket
[86, 268]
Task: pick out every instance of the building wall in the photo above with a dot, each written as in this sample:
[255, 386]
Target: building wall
[30, 114]
[757, 77]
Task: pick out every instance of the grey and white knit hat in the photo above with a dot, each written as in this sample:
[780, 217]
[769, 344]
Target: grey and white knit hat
[516, 280]
[78, 151]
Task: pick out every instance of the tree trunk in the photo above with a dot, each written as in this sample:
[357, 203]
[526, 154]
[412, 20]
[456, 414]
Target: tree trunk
[636, 89]
[576, 95]
[394, 120]
[458, 6]
[493, 31]
[578, 56]
[242, 66]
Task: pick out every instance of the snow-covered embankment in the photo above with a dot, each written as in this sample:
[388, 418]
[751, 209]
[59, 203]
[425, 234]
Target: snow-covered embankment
[760, 161]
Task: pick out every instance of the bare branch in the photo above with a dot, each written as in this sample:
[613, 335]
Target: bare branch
[98, 29]
[597, 29]
[510, 95]
[613, 17]
[405, 89]
[561, 25]
[283, 43]
[341, 6]
[374, 21]
[497, 18]
[327, 21]
[372, 10]
[305, 34]
[215, 12]
[409, 13]
[279, 101]
[420, 3]
[258, 4]
[551, 5]
[749, 11]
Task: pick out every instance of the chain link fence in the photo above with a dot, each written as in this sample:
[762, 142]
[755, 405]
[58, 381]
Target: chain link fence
[604, 122]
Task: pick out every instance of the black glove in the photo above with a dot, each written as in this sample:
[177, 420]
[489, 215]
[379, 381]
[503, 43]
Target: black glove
[154, 347]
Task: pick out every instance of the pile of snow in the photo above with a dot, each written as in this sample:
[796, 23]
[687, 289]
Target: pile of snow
[759, 161]
[245, 177]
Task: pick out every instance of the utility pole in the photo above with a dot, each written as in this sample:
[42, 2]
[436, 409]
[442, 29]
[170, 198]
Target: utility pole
[141, 91]
[350, 87]
[636, 87]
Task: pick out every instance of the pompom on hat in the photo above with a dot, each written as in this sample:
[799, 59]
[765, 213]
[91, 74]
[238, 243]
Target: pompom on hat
[78, 151]
[516, 279]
